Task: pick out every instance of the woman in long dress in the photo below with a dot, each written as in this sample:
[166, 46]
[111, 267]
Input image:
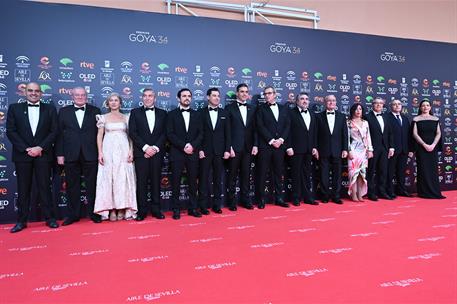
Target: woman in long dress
[427, 134]
[116, 187]
[360, 150]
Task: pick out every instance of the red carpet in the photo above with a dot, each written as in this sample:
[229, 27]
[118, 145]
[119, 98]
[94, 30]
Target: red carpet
[402, 251]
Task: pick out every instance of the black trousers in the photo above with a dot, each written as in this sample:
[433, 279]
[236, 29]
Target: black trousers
[274, 159]
[301, 174]
[240, 163]
[213, 163]
[148, 169]
[377, 172]
[177, 167]
[332, 164]
[73, 172]
[397, 167]
[25, 172]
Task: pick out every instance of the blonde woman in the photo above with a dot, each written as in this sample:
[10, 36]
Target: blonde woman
[116, 187]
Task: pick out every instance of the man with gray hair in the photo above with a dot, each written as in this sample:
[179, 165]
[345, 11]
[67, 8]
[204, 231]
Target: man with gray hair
[403, 147]
[382, 141]
[76, 150]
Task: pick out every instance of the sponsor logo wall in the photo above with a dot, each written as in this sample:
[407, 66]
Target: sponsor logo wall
[108, 50]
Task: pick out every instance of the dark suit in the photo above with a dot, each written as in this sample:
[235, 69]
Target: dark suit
[381, 141]
[330, 147]
[179, 137]
[243, 138]
[401, 133]
[302, 140]
[20, 134]
[79, 147]
[215, 142]
[147, 168]
[268, 129]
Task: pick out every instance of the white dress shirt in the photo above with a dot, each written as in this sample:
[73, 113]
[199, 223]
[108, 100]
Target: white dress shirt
[213, 116]
[380, 120]
[34, 116]
[186, 116]
[151, 118]
[331, 120]
[243, 111]
[274, 108]
[306, 118]
[80, 115]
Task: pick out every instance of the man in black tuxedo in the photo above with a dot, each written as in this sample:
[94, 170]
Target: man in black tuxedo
[332, 146]
[147, 129]
[184, 131]
[244, 146]
[301, 147]
[77, 151]
[214, 149]
[382, 141]
[273, 125]
[31, 128]
[401, 132]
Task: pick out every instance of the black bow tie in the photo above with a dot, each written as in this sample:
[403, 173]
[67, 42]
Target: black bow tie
[241, 104]
[149, 109]
[330, 113]
[185, 110]
[272, 104]
[77, 109]
[303, 111]
[33, 105]
[213, 109]
[378, 114]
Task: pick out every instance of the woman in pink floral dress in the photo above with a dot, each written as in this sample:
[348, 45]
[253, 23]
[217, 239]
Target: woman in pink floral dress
[360, 150]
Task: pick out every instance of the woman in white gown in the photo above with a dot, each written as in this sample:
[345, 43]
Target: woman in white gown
[116, 186]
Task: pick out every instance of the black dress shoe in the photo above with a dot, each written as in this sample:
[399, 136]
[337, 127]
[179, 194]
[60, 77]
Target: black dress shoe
[194, 213]
[372, 197]
[338, 201]
[18, 227]
[139, 217]
[216, 210]
[52, 224]
[248, 206]
[324, 200]
[311, 202]
[204, 211]
[385, 196]
[96, 219]
[405, 194]
[281, 203]
[296, 202]
[158, 215]
[261, 205]
[67, 221]
[232, 208]
[176, 214]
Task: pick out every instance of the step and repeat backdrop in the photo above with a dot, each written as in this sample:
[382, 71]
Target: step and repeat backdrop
[110, 50]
